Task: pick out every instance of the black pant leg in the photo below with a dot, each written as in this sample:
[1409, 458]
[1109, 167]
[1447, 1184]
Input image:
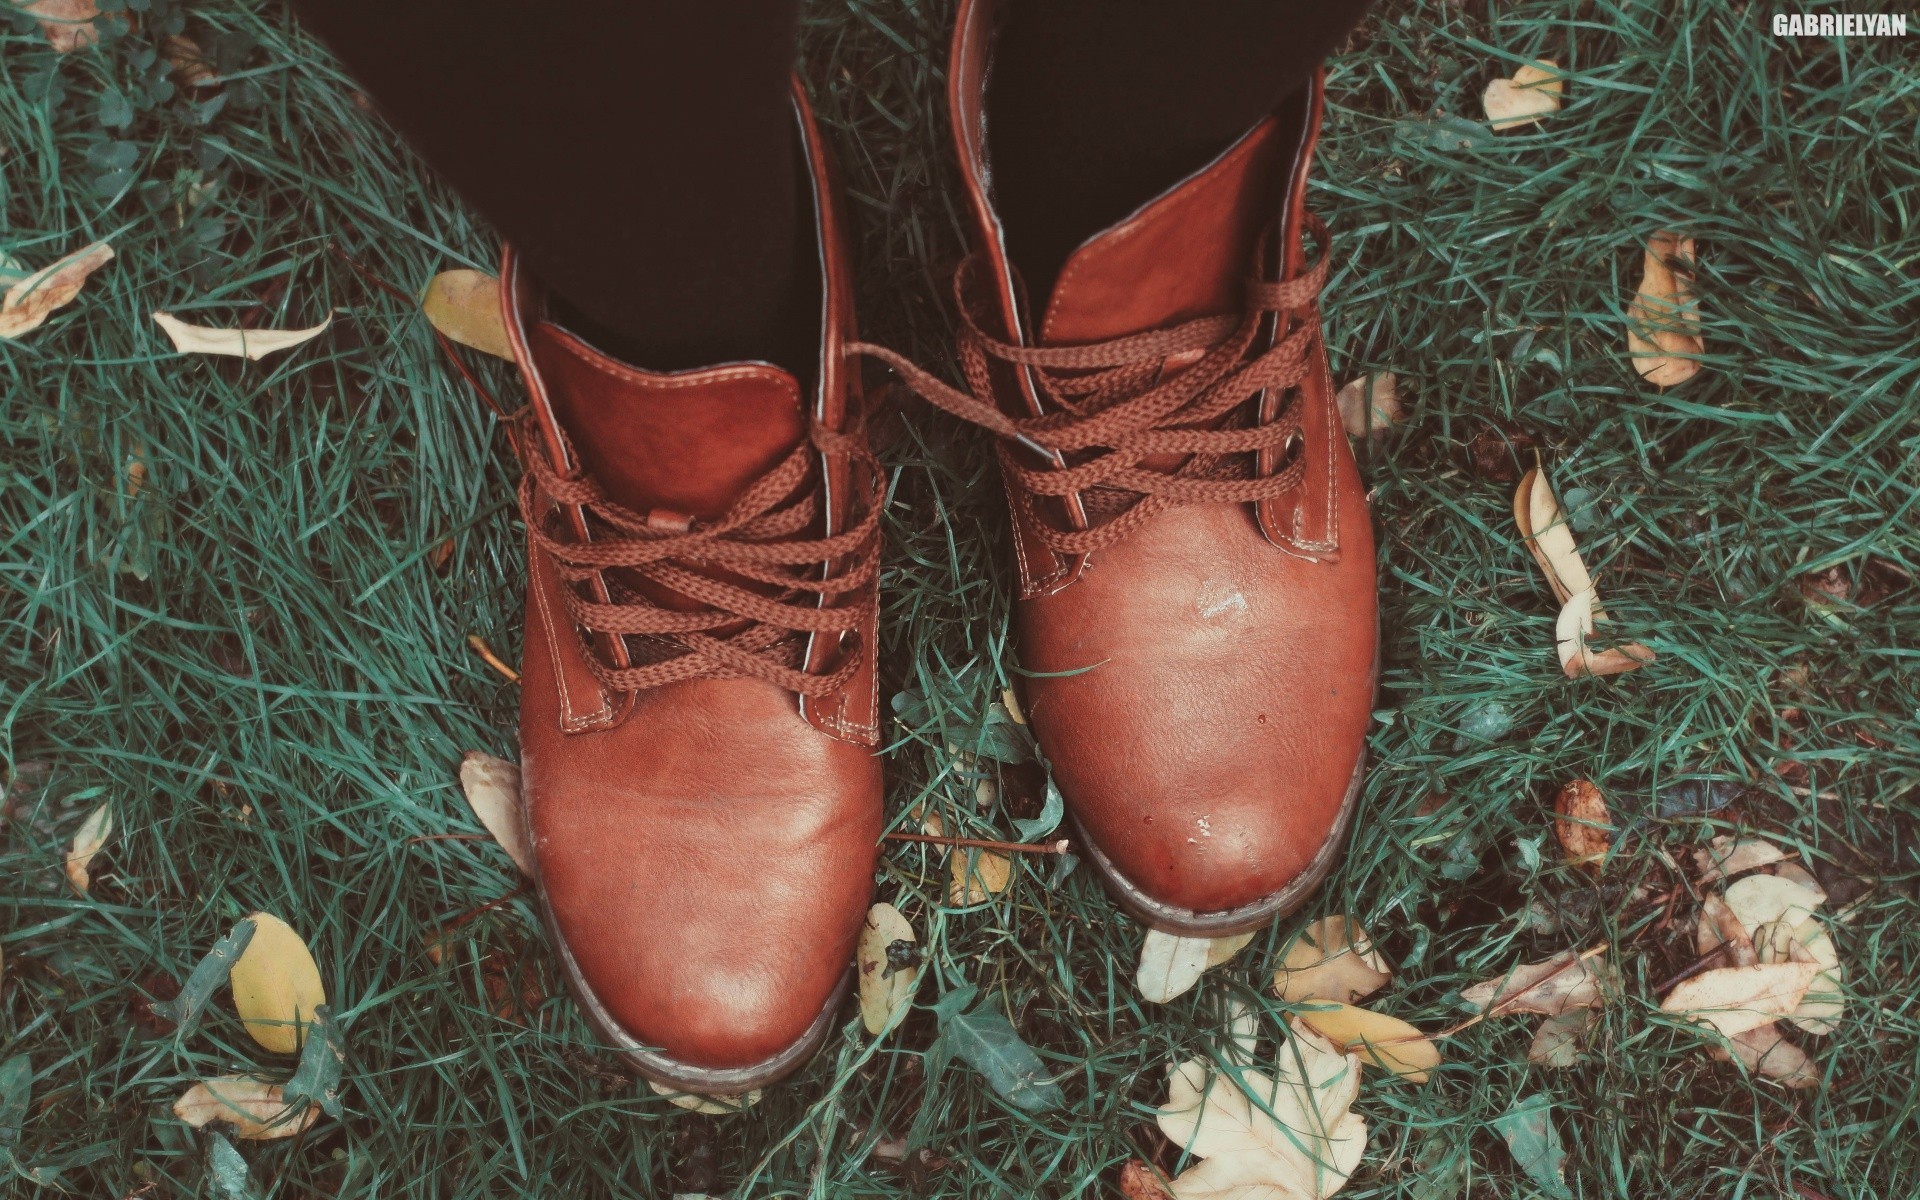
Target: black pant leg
[638, 153]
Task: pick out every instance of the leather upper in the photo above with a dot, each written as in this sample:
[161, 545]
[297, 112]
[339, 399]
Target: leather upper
[706, 848]
[1201, 687]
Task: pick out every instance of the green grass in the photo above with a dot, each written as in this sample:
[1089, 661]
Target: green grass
[260, 664]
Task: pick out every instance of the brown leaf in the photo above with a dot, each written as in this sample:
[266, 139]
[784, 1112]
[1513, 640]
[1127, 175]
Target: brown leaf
[1560, 984]
[1664, 318]
[1736, 999]
[191, 66]
[87, 841]
[976, 875]
[1370, 404]
[1764, 1051]
[1532, 93]
[1138, 1181]
[1577, 657]
[68, 24]
[30, 301]
[1584, 825]
[1331, 959]
[1721, 925]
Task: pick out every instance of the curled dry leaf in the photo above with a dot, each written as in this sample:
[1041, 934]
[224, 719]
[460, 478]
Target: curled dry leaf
[1736, 999]
[1533, 92]
[1766, 1053]
[1727, 856]
[1663, 322]
[87, 842]
[885, 984]
[713, 1106]
[250, 344]
[191, 66]
[1557, 1042]
[1582, 823]
[1170, 965]
[1370, 404]
[1564, 983]
[31, 299]
[1386, 1042]
[1301, 1140]
[492, 788]
[1544, 528]
[1331, 959]
[976, 876]
[68, 24]
[1139, 1181]
[465, 305]
[254, 1108]
[276, 985]
[1719, 925]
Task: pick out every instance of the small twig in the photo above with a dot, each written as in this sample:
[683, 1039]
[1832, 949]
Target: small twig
[471, 913]
[1499, 1009]
[485, 651]
[1702, 964]
[451, 837]
[1059, 847]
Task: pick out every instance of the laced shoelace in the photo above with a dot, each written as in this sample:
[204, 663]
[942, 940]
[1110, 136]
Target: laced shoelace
[1112, 405]
[740, 631]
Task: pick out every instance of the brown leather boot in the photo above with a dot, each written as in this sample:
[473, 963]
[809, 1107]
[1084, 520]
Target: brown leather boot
[697, 722]
[1197, 593]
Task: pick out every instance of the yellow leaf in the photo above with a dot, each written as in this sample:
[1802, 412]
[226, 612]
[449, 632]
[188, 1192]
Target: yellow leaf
[1332, 959]
[1663, 321]
[1169, 965]
[492, 788]
[251, 344]
[255, 1108]
[465, 305]
[1533, 92]
[30, 301]
[1370, 404]
[977, 875]
[884, 989]
[1736, 999]
[713, 1106]
[1222, 949]
[1387, 1042]
[276, 985]
[87, 841]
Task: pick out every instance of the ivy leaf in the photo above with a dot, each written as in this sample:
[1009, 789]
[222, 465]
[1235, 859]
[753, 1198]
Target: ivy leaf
[16, 1087]
[1527, 1125]
[208, 975]
[321, 1059]
[1051, 812]
[986, 1041]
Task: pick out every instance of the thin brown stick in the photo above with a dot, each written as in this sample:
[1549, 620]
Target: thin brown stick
[1706, 962]
[493, 660]
[1059, 847]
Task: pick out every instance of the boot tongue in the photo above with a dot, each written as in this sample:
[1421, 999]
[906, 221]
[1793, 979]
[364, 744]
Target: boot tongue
[688, 442]
[1186, 253]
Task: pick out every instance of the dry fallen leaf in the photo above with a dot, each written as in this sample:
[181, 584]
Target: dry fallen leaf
[1663, 322]
[1727, 856]
[1387, 1042]
[276, 985]
[1370, 404]
[1299, 1142]
[1583, 825]
[1544, 527]
[1170, 965]
[1532, 93]
[87, 841]
[1765, 1052]
[884, 987]
[1736, 999]
[976, 876]
[1139, 1181]
[1719, 925]
[1563, 983]
[465, 305]
[1332, 959]
[32, 299]
[1763, 899]
[1222, 949]
[251, 344]
[68, 24]
[191, 66]
[1820, 1009]
[1580, 660]
[254, 1108]
[713, 1106]
[492, 788]
[1557, 1042]
[1800, 875]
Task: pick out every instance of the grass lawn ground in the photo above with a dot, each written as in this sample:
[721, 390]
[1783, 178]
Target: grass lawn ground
[259, 656]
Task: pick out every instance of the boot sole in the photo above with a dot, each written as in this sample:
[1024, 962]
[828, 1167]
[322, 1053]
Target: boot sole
[658, 1067]
[1185, 922]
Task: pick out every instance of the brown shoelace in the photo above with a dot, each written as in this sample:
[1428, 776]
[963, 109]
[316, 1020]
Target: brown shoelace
[808, 585]
[1112, 406]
